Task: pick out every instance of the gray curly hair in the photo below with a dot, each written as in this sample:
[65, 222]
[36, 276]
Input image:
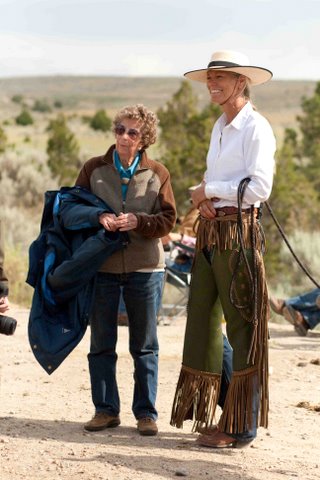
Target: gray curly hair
[147, 119]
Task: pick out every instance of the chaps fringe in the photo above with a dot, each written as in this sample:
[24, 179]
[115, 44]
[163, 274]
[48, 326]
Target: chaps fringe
[259, 353]
[223, 232]
[263, 361]
[238, 408]
[196, 398]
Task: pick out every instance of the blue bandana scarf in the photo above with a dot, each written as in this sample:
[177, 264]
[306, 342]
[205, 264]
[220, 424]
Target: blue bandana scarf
[125, 174]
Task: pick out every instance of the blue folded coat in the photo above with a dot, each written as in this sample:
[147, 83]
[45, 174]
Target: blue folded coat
[63, 262]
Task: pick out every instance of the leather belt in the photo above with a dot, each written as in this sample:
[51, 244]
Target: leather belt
[221, 212]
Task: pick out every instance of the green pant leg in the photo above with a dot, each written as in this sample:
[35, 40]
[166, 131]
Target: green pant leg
[203, 338]
[239, 327]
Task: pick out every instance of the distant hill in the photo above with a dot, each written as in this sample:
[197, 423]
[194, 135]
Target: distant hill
[279, 100]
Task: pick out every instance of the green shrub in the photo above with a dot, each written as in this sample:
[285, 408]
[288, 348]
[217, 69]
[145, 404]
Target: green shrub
[24, 118]
[58, 104]
[41, 106]
[101, 121]
[17, 98]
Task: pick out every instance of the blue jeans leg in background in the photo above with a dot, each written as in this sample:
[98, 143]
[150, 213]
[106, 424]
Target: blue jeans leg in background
[226, 371]
[306, 305]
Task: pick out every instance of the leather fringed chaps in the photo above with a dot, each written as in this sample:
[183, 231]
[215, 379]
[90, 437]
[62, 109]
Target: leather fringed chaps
[197, 391]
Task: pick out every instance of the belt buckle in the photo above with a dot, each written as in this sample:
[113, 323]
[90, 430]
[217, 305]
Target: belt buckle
[221, 213]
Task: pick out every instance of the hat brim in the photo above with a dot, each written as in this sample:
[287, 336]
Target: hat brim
[256, 75]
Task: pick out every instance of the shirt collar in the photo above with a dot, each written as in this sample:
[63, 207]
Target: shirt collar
[240, 118]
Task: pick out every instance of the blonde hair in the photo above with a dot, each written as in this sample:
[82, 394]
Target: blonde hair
[246, 91]
[147, 119]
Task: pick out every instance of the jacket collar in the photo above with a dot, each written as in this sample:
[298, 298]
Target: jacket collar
[144, 162]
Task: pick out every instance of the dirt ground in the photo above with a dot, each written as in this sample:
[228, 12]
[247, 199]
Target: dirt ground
[41, 424]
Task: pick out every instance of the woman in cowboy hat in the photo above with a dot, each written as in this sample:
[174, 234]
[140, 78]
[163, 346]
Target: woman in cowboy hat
[228, 273]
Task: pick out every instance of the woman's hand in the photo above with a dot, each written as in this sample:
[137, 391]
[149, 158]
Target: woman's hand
[207, 209]
[126, 222]
[202, 203]
[109, 221]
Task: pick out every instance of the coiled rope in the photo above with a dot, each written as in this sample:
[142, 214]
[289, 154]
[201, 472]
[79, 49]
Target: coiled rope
[252, 270]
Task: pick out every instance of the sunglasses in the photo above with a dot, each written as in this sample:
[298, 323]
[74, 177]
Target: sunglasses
[131, 132]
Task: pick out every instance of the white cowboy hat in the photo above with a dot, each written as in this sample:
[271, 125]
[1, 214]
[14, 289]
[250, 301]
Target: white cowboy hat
[230, 61]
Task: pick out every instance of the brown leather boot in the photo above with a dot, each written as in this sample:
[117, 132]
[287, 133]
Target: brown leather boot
[297, 320]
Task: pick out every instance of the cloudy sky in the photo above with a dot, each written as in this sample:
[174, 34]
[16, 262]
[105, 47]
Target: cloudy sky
[156, 37]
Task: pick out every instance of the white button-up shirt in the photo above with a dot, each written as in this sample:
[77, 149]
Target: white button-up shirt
[243, 148]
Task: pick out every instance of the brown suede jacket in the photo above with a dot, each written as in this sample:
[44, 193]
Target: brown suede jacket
[149, 197]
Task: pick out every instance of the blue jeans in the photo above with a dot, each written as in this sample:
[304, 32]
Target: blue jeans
[227, 369]
[141, 293]
[122, 305]
[306, 305]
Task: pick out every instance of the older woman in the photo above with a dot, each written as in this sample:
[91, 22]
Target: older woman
[138, 189]
[228, 268]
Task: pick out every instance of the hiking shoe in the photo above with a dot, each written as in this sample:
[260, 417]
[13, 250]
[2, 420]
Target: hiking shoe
[147, 426]
[297, 320]
[100, 421]
[277, 305]
[318, 301]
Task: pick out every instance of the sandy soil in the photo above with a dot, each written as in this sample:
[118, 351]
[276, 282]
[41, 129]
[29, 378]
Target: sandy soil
[41, 424]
